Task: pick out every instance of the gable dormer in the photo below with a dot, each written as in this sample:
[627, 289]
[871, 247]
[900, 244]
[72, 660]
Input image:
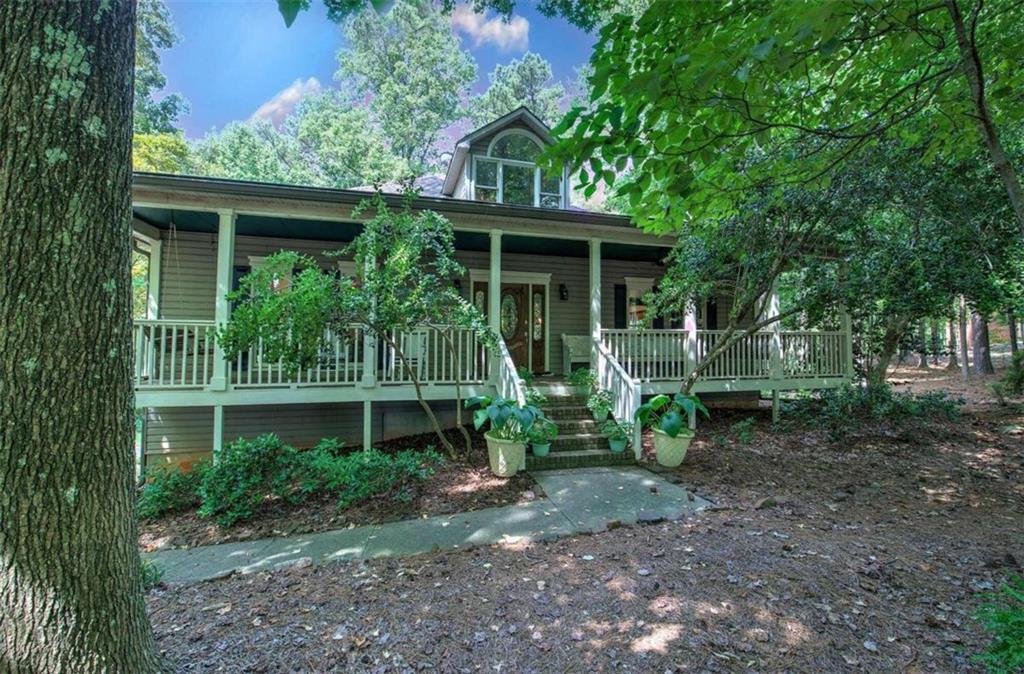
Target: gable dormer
[497, 163]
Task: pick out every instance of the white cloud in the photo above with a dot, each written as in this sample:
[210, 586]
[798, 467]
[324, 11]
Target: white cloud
[510, 35]
[281, 105]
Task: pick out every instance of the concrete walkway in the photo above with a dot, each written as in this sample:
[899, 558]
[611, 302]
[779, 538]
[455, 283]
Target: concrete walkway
[575, 501]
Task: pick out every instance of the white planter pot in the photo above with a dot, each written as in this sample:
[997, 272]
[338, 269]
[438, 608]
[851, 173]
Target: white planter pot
[505, 456]
[671, 451]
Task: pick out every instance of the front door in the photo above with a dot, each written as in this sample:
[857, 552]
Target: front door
[522, 314]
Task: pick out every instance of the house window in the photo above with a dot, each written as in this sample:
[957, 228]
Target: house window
[509, 174]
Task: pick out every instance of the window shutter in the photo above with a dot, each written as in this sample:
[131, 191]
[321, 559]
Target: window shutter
[620, 306]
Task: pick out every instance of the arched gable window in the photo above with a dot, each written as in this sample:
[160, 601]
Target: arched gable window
[509, 174]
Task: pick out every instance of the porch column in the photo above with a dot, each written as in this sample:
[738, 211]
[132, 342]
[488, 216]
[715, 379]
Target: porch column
[596, 360]
[775, 355]
[218, 430]
[153, 280]
[494, 297]
[690, 326]
[221, 307]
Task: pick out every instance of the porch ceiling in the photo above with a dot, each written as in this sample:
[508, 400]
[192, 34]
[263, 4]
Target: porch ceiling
[319, 230]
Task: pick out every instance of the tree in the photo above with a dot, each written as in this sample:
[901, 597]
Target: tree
[687, 93]
[520, 82]
[404, 280]
[154, 31]
[410, 68]
[341, 141]
[160, 153]
[253, 151]
[70, 583]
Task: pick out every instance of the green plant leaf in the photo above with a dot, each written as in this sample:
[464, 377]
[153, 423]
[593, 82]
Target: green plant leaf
[672, 423]
[289, 9]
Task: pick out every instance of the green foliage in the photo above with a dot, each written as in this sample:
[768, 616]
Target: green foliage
[1013, 378]
[525, 374]
[357, 476]
[535, 397]
[742, 429]
[169, 489]
[689, 94]
[670, 414]
[600, 404]
[584, 378]
[507, 420]
[152, 575]
[154, 32]
[842, 409]
[245, 474]
[253, 150]
[618, 430]
[542, 432]
[1003, 617]
[160, 153]
[408, 65]
[520, 82]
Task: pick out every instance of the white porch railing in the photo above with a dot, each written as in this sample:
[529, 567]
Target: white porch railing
[432, 359]
[340, 364]
[510, 386]
[813, 354]
[612, 376]
[670, 355]
[173, 354]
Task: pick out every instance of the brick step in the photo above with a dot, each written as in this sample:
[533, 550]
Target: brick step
[573, 426]
[579, 441]
[568, 412]
[588, 458]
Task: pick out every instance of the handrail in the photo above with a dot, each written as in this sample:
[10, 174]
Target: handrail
[626, 392]
[510, 386]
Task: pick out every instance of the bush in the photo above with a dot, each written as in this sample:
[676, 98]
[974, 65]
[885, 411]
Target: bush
[245, 473]
[743, 430]
[1013, 378]
[1003, 618]
[170, 489]
[360, 475]
[840, 410]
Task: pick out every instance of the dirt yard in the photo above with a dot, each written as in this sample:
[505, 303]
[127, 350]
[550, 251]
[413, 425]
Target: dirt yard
[457, 486]
[868, 555]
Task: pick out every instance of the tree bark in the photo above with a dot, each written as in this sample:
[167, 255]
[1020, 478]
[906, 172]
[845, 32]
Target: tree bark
[965, 368]
[971, 62]
[1011, 321]
[952, 346]
[894, 329]
[71, 597]
[922, 345]
[936, 341]
[982, 352]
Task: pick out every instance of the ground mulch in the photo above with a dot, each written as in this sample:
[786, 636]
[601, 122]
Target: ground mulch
[864, 555]
[457, 486]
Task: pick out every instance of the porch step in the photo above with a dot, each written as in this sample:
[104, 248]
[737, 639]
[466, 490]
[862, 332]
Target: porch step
[566, 412]
[576, 441]
[587, 458]
[571, 426]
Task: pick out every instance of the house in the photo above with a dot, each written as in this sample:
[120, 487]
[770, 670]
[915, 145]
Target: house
[561, 286]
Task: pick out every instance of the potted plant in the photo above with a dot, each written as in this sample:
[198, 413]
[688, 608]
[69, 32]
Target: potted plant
[600, 404]
[510, 425]
[583, 380]
[618, 434]
[541, 434]
[668, 417]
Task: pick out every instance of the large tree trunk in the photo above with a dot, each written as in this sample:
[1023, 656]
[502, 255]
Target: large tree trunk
[971, 64]
[71, 596]
[965, 368]
[936, 341]
[982, 352]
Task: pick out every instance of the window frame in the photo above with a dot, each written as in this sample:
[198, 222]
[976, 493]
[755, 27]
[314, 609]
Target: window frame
[500, 163]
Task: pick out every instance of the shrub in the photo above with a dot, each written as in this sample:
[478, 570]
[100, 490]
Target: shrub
[169, 489]
[1003, 618]
[245, 473]
[583, 377]
[1013, 378]
[600, 404]
[840, 410]
[742, 430]
[360, 475]
[152, 574]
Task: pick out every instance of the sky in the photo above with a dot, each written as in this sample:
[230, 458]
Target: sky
[235, 57]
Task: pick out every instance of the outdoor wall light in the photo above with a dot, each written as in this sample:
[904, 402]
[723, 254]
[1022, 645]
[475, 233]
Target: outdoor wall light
[563, 292]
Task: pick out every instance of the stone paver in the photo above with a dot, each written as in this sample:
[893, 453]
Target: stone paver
[576, 501]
